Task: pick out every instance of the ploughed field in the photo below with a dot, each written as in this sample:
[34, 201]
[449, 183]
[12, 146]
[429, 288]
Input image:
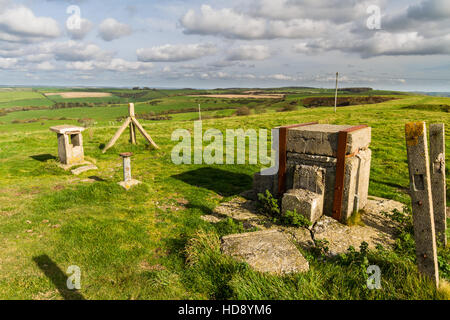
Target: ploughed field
[151, 243]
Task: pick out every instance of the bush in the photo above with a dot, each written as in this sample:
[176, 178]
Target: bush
[268, 205]
[243, 111]
[289, 107]
[295, 219]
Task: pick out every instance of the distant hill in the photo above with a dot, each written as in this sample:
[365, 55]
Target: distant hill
[435, 94]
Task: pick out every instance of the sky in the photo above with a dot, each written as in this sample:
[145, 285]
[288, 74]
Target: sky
[383, 44]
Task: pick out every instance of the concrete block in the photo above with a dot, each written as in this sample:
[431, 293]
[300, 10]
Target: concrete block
[128, 184]
[307, 203]
[357, 173]
[322, 139]
[261, 183]
[310, 178]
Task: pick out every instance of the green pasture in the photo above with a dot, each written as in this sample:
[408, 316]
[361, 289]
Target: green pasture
[150, 242]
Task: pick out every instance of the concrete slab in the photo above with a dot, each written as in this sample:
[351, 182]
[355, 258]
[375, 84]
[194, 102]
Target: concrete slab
[238, 209]
[64, 129]
[69, 166]
[377, 229]
[322, 139]
[80, 170]
[265, 251]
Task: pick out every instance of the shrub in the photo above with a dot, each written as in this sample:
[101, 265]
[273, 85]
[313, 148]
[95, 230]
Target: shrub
[295, 219]
[289, 107]
[267, 204]
[243, 111]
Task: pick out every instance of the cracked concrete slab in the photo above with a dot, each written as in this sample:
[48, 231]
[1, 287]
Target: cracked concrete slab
[265, 251]
[377, 229]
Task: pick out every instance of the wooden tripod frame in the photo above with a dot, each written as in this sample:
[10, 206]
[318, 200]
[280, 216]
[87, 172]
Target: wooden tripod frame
[132, 122]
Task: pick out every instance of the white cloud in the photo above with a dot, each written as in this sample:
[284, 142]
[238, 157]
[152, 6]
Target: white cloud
[381, 44]
[40, 57]
[224, 22]
[249, 52]
[76, 51]
[45, 66]
[19, 24]
[7, 63]
[111, 29]
[78, 34]
[337, 11]
[430, 9]
[175, 53]
[232, 24]
[116, 65]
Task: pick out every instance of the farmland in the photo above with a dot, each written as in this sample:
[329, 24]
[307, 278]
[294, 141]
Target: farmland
[135, 245]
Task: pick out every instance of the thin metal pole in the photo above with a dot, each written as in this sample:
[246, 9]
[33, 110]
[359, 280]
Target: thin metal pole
[335, 97]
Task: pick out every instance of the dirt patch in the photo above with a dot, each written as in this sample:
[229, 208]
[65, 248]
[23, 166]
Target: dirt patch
[242, 96]
[71, 95]
[315, 102]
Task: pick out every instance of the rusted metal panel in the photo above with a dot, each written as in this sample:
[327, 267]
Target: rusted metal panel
[282, 155]
[340, 170]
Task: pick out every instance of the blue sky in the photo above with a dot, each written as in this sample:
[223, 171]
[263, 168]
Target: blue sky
[210, 44]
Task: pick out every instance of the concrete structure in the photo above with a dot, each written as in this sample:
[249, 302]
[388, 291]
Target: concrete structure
[70, 144]
[265, 251]
[438, 184]
[307, 203]
[331, 161]
[128, 181]
[83, 169]
[421, 199]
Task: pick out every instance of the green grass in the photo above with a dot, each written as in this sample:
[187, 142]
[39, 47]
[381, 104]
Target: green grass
[150, 243]
[22, 98]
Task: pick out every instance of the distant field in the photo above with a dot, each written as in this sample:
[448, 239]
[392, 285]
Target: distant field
[242, 96]
[22, 98]
[69, 95]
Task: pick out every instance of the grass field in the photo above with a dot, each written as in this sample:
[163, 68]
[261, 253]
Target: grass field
[150, 243]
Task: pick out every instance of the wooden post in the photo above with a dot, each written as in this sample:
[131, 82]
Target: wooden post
[131, 110]
[133, 123]
[421, 198]
[336, 95]
[438, 185]
[132, 133]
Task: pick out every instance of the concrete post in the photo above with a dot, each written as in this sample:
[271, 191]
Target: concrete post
[128, 181]
[422, 204]
[438, 185]
[126, 166]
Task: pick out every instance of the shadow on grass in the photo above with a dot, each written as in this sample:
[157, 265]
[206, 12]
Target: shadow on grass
[43, 157]
[224, 183]
[57, 276]
[96, 178]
